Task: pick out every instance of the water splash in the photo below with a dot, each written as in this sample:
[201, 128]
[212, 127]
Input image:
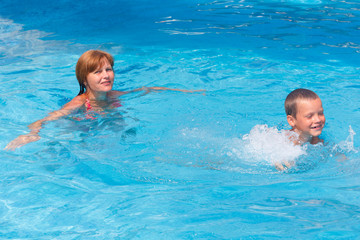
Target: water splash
[348, 144]
[267, 144]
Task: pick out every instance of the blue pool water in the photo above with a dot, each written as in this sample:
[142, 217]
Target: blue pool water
[169, 165]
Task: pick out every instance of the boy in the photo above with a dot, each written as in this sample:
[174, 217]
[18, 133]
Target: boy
[305, 115]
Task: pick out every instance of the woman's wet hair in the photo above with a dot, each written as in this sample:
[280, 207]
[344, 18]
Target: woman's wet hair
[89, 62]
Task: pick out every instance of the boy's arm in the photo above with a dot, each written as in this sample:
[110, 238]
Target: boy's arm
[35, 127]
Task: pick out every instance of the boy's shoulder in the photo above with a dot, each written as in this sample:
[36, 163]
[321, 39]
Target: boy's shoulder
[293, 136]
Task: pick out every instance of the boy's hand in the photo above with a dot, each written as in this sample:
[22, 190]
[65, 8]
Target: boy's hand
[341, 157]
[284, 165]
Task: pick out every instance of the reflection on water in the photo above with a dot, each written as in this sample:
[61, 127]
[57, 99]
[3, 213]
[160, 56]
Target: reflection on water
[302, 29]
[170, 165]
[20, 46]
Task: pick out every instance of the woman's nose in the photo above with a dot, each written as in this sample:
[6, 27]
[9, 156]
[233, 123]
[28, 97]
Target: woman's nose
[105, 74]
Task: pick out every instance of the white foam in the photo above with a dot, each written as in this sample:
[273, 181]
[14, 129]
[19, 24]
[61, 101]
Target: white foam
[267, 144]
[348, 144]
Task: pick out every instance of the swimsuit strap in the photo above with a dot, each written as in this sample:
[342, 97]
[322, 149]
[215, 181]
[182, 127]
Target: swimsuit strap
[87, 104]
[90, 111]
[116, 104]
[88, 108]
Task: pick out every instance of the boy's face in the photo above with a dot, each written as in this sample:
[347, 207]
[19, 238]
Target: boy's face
[310, 118]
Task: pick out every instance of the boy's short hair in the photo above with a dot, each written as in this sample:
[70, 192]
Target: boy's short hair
[293, 98]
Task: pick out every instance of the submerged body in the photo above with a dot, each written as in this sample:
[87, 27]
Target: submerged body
[305, 115]
[95, 74]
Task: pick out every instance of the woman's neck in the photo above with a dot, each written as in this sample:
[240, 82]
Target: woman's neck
[96, 96]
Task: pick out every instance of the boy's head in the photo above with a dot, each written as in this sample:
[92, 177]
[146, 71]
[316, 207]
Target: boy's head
[305, 113]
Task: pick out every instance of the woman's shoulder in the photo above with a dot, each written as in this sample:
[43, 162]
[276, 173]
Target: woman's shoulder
[76, 102]
[116, 93]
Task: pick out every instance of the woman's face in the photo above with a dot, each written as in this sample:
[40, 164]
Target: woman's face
[101, 80]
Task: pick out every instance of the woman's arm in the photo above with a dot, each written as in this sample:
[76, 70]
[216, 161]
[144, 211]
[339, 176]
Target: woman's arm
[35, 127]
[150, 89]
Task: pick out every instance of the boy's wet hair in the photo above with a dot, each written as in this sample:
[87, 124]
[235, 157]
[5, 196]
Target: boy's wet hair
[296, 95]
[89, 62]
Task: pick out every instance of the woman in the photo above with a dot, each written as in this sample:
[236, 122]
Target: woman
[95, 74]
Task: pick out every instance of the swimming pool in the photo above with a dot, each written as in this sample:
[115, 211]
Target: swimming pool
[170, 165]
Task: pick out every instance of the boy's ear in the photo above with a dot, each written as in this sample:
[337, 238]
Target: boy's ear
[291, 120]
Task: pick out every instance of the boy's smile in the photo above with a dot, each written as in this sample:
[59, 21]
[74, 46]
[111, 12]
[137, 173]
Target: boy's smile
[309, 120]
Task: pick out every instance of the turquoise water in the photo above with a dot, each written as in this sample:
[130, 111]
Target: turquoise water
[169, 165]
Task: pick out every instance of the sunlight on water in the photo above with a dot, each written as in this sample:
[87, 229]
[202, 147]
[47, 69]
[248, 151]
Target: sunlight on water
[17, 44]
[169, 165]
